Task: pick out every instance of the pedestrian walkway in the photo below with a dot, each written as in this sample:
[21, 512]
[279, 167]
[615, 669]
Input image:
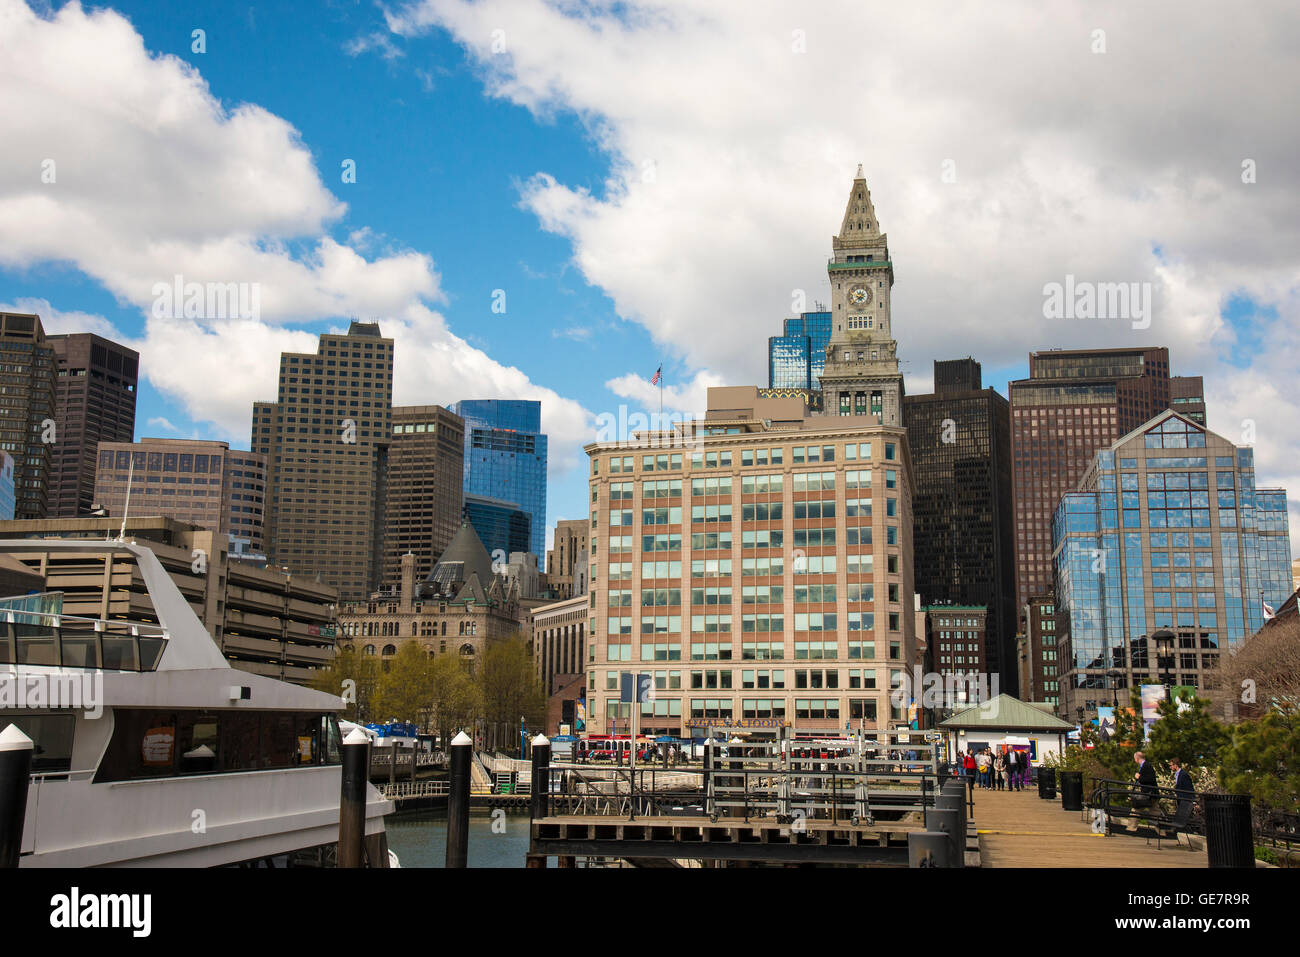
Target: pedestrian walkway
[1020, 829]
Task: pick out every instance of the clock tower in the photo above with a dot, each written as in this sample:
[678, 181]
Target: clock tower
[861, 376]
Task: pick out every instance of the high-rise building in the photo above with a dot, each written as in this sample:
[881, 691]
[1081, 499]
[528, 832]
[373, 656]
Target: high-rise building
[7, 500]
[326, 442]
[203, 483]
[861, 375]
[505, 458]
[1073, 404]
[567, 559]
[796, 358]
[1043, 664]
[1187, 396]
[503, 527]
[426, 464]
[960, 439]
[763, 574]
[28, 430]
[956, 641]
[1164, 560]
[95, 403]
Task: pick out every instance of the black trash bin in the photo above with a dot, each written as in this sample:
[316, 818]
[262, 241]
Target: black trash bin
[1072, 790]
[1229, 840]
[1047, 783]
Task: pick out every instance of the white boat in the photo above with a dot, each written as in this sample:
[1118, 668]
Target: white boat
[151, 750]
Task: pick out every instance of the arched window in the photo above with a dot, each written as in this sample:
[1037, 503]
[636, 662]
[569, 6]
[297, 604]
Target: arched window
[369, 649]
[389, 650]
[444, 628]
[467, 650]
[462, 628]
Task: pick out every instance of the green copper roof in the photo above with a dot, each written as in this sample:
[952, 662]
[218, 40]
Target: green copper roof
[1006, 713]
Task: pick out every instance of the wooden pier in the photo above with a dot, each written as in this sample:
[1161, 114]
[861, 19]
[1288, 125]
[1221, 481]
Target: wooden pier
[1020, 829]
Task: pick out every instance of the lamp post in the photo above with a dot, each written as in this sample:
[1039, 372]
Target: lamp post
[1164, 642]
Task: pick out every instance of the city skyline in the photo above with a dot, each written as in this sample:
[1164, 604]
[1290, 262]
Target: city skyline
[416, 243]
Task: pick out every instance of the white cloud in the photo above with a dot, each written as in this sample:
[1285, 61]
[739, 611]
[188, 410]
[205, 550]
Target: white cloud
[162, 422]
[153, 177]
[732, 153]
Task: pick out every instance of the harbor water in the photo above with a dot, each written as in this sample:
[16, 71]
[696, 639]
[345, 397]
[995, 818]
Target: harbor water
[419, 838]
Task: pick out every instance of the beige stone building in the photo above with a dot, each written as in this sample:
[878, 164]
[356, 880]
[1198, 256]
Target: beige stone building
[265, 621]
[567, 559]
[459, 608]
[559, 639]
[759, 564]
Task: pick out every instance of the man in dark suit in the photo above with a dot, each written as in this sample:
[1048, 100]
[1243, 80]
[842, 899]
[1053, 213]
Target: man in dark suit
[1185, 791]
[1146, 779]
[1014, 769]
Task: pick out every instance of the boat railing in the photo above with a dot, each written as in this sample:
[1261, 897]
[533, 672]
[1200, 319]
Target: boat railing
[53, 639]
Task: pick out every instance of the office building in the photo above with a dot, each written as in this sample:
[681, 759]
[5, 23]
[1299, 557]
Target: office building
[559, 640]
[797, 357]
[265, 621]
[1043, 665]
[7, 500]
[762, 574]
[861, 376]
[960, 440]
[95, 402]
[1187, 397]
[567, 559]
[201, 483]
[1073, 404]
[426, 463]
[505, 459]
[326, 440]
[1164, 558]
[28, 430]
[503, 527]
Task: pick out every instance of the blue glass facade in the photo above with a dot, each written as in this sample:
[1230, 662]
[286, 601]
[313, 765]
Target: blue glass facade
[1167, 534]
[505, 459]
[502, 527]
[796, 359]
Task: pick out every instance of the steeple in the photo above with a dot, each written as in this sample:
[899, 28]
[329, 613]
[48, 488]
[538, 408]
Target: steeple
[859, 228]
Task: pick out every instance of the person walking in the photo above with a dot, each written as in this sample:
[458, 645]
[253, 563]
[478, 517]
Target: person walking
[1000, 769]
[1185, 791]
[1013, 769]
[1145, 794]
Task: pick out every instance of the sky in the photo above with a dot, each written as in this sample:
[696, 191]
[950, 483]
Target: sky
[551, 200]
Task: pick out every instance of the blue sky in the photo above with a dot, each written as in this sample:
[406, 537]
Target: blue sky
[648, 182]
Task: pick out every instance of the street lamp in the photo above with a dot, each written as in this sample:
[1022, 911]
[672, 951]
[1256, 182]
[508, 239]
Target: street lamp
[1164, 642]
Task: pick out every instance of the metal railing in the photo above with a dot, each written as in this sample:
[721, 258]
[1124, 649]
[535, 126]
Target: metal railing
[1165, 806]
[53, 639]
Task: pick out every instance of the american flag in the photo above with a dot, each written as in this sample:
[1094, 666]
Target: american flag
[656, 378]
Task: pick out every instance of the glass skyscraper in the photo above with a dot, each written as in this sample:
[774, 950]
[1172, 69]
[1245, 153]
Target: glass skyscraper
[502, 527]
[1167, 540]
[505, 459]
[796, 359]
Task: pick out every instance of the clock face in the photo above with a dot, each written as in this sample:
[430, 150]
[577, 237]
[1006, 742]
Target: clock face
[860, 295]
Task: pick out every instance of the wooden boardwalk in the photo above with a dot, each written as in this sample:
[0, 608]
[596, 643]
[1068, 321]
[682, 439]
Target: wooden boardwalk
[1020, 829]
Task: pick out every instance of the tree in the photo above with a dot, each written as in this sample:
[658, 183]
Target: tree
[1115, 754]
[1191, 735]
[456, 697]
[405, 691]
[354, 677]
[511, 690]
[1263, 672]
[1263, 760]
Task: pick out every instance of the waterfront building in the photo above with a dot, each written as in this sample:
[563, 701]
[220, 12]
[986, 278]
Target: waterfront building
[95, 402]
[505, 459]
[503, 527]
[1165, 557]
[202, 483]
[264, 621]
[424, 502]
[567, 558]
[1007, 722]
[1073, 404]
[326, 440]
[27, 416]
[960, 440]
[458, 608]
[758, 564]
[861, 375]
[797, 357]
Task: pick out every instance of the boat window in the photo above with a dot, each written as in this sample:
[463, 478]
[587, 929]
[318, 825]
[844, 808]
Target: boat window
[51, 735]
[149, 744]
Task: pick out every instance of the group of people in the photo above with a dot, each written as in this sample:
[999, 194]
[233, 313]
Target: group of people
[1006, 770]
